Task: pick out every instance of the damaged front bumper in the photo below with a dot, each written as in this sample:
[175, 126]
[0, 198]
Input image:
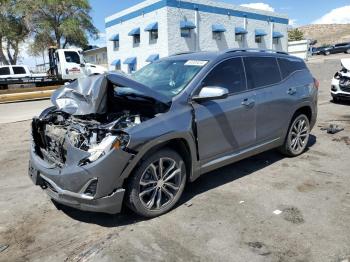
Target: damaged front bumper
[340, 91]
[96, 187]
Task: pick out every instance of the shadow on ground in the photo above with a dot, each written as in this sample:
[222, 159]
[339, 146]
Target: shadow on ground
[205, 183]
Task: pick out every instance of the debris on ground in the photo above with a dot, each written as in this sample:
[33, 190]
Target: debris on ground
[241, 202]
[277, 212]
[259, 248]
[188, 204]
[3, 247]
[344, 139]
[332, 129]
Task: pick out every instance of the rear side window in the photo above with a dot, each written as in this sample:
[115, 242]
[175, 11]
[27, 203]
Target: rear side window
[4, 71]
[18, 70]
[262, 71]
[289, 66]
[228, 74]
[72, 57]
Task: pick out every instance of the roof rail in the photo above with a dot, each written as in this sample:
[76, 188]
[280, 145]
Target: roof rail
[182, 53]
[256, 50]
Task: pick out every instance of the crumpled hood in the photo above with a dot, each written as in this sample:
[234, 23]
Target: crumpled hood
[88, 95]
[84, 96]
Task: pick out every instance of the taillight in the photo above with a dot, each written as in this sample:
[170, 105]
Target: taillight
[316, 83]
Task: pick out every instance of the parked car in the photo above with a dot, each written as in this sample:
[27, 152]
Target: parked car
[340, 89]
[16, 71]
[316, 50]
[138, 140]
[335, 49]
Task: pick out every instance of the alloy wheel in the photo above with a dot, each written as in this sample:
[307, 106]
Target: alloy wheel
[160, 183]
[299, 135]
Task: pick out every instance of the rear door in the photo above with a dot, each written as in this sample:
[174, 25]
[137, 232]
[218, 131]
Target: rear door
[227, 125]
[19, 72]
[272, 101]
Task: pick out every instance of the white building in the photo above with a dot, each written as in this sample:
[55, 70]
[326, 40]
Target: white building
[159, 28]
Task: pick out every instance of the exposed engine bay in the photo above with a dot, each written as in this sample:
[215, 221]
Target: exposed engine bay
[63, 137]
[344, 75]
[94, 135]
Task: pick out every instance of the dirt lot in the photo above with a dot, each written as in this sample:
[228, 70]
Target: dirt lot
[227, 215]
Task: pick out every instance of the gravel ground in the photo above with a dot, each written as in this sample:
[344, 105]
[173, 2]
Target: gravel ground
[265, 208]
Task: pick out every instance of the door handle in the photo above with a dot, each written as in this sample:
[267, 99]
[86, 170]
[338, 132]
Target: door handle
[248, 103]
[292, 91]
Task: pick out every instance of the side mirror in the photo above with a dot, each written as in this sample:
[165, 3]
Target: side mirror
[211, 93]
[82, 65]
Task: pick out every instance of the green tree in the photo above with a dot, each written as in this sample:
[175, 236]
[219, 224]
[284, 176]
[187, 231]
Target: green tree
[64, 23]
[295, 35]
[13, 31]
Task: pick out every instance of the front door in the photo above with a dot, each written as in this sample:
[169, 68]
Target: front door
[227, 125]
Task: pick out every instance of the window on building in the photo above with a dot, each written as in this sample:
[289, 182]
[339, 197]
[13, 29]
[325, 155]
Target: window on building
[229, 74]
[239, 37]
[217, 35]
[117, 67]
[116, 44]
[72, 57]
[276, 41]
[18, 70]
[185, 32]
[153, 35]
[258, 39]
[132, 68]
[262, 71]
[4, 71]
[136, 40]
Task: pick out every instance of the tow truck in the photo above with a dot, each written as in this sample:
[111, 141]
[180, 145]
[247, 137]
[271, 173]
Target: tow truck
[65, 65]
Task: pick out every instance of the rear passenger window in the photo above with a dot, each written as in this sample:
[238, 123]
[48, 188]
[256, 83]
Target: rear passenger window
[4, 71]
[18, 70]
[289, 66]
[262, 71]
[229, 74]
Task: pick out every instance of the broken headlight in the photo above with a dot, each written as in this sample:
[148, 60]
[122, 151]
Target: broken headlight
[110, 142]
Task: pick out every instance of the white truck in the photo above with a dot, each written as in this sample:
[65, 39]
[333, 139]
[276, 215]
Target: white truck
[65, 65]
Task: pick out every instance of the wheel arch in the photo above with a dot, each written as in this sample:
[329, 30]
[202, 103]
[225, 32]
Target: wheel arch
[181, 145]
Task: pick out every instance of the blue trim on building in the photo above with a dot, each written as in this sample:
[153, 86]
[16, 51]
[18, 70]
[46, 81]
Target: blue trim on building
[130, 61]
[194, 6]
[152, 58]
[135, 31]
[185, 24]
[277, 35]
[218, 28]
[260, 32]
[116, 62]
[240, 31]
[152, 27]
[114, 38]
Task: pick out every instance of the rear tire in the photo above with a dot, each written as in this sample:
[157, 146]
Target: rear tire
[157, 184]
[297, 137]
[327, 53]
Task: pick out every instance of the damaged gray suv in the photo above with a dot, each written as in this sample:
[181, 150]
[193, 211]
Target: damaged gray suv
[137, 140]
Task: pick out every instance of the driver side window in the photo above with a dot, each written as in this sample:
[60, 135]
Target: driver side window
[228, 74]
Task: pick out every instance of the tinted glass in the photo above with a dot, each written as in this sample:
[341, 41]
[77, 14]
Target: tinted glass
[262, 71]
[289, 66]
[18, 70]
[168, 77]
[229, 74]
[4, 71]
[72, 57]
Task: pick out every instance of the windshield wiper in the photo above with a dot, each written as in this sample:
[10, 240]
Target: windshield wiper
[133, 95]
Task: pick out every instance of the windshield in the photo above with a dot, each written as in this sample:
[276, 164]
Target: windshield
[168, 77]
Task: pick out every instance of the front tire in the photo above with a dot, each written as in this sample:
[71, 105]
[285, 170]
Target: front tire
[297, 137]
[157, 184]
[327, 53]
